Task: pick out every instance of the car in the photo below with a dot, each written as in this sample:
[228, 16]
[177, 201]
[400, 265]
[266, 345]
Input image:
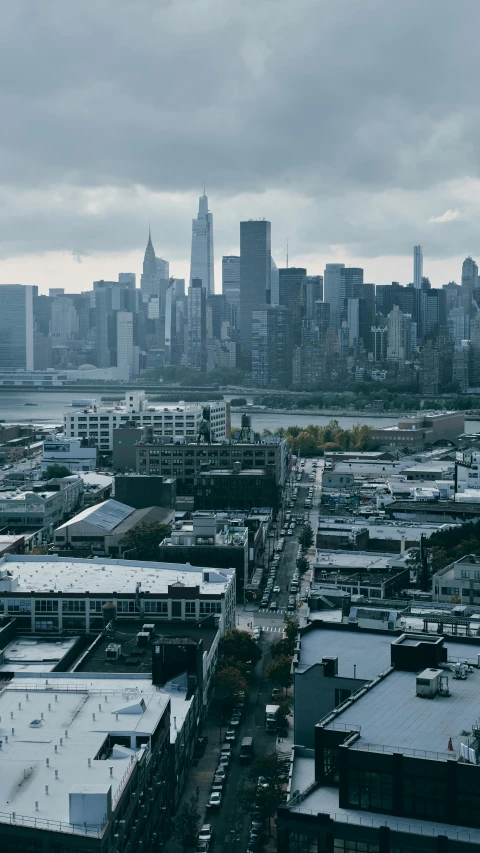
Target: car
[277, 693]
[215, 800]
[206, 832]
[230, 736]
[221, 771]
[217, 784]
[256, 826]
[289, 532]
[292, 526]
[263, 782]
[273, 605]
[276, 589]
[257, 631]
[202, 847]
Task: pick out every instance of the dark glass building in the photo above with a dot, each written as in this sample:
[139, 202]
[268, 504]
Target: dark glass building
[255, 277]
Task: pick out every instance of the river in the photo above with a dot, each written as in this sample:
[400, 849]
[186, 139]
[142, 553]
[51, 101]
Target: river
[50, 406]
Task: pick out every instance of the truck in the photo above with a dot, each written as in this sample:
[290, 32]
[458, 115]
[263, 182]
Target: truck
[270, 717]
[246, 750]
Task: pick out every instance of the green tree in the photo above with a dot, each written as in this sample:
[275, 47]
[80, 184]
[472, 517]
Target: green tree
[187, 823]
[283, 648]
[272, 766]
[266, 798]
[305, 537]
[281, 717]
[279, 671]
[142, 542]
[238, 401]
[291, 628]
[302, 564]
[56, 472]
[240, 645]
[228, 682]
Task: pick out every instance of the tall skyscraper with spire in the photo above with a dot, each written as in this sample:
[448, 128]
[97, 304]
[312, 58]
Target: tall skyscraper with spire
[202, 261]
[154, 279]
[417, 267]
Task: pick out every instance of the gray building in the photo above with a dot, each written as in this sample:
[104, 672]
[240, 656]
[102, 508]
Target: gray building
[197, 326]
[293, 295]
[231, 286]
[272, 346]
[16, 327]
[140, 491]
[255, 276]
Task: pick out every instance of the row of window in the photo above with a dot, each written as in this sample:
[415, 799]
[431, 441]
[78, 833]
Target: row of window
[24, 605]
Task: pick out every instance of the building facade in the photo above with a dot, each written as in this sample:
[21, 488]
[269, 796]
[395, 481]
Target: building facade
[16, 327]
[197, 326]
[255, 276]
[202, 259]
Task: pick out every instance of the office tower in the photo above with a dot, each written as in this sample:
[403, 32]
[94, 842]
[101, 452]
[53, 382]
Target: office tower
[16, 327]
[457, 325]
[42, 314]
[202, 261]
[417, 267]
[314, 293]
[217, 316]
[434, 311]
[102, 311]
[154, 278]
[292, 293]
[399, 335]
[197, 326]
[272, 346]
[255, 277]
[429, 370]
[129, 279]
[63, 323]
[379, 342]
[274, 284]
[163, 268]
[469, 283]
[353, 321]
[343, 340]
[322, 320]
[351, 283]
[125, 341]
[453, 293]
[231, 286]
[334, 291]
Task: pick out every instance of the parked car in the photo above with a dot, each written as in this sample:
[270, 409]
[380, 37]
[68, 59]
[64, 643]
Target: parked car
[230, 736]
[217, 784]
[215, 800]
[235, 720]
[206, 832]
[289, 532]
[257, 631]
[273, 605]
[276, 589]
[262, 782]
[221, 772]
[202, 847]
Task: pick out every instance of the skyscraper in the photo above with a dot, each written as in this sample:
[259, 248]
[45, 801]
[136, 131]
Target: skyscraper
[197, 326]
[231, 286]
[417, 267]
[255, 276]
[292, 293]
[314, 293]
[333, 291]
[202, 261]
[469, 283]
[399, 335]
[16, 327]
[272, 346]
[125, 341]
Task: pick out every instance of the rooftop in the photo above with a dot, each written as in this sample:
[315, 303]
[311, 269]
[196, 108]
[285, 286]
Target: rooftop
[391, 717]
[103, 576]
[369, 653]
[358, 561]
[25, 654]
[106, 515]
[55, 726]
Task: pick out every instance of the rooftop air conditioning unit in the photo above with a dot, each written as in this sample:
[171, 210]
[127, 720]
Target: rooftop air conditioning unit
[113, 651]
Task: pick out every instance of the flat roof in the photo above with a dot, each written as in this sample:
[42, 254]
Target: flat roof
[358, 560]
[369, 653]
[27, 653]
[103, 576]
[88, 708]
[392, 716]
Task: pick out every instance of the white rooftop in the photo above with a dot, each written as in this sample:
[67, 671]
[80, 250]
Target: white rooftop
[106, 515]
[25, 654]
[102, 576]
[49, 730]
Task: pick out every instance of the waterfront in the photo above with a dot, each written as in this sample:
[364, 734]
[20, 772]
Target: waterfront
[49, 407]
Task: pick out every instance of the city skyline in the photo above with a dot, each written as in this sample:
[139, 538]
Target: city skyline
[383, 161]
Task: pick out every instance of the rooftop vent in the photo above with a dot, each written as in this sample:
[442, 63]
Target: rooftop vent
[35, 724]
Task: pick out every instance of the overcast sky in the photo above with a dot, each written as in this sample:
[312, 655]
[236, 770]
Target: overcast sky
[353, 125]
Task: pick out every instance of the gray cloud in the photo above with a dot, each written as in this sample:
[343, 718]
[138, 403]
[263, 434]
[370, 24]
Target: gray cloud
[346, 122]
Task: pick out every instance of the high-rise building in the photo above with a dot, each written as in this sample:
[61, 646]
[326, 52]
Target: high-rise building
[255, 276]
[351, 283]
[379, 342]
[272, 346]
[217, 316]
[469, 283]
[433, 311]
[293, 295]
[16, 327]
[457, 325]
[231, 286]
[417, 267]
[334, 291]
[128, 279]
[453, 292]
[63, 323]
[353, 321]
[314, 293]
[399, 335]
[125, 341]
[274, 284]
[197, 326]
[202, 260]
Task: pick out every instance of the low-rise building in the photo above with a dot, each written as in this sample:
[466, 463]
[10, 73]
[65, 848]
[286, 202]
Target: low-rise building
[140, 491]
[187, 421]
[235, 489]
[342, 537]
[372, 575]
[74, 453]
[28, 510]
[208, 540]
[186, 461]
[70, 488]
[417, 431]
[11, 544]
[57, 593]
[100, 529]
[458, 582]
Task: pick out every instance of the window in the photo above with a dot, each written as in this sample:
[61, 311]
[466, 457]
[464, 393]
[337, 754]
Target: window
[465, 573]
[190, 609]
[305, 843]
[158, 607]
[370, 791]
[18, 605]
[126, 606]
[96, 606]
[46, 606]
[176, 609]
[210, 607]
[73, 606]
[342, 845]
[424, 797]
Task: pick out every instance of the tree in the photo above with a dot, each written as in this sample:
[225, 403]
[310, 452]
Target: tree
[240, 645]
[56, 472]
[291, 628]
[187, 823]
[266, 798]
[279, 671]
[228, 682]
[281, 717]
[142, 542]
[302, 565]
[238, 401]
[305, 537]
[272, 766]
[282, 648]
